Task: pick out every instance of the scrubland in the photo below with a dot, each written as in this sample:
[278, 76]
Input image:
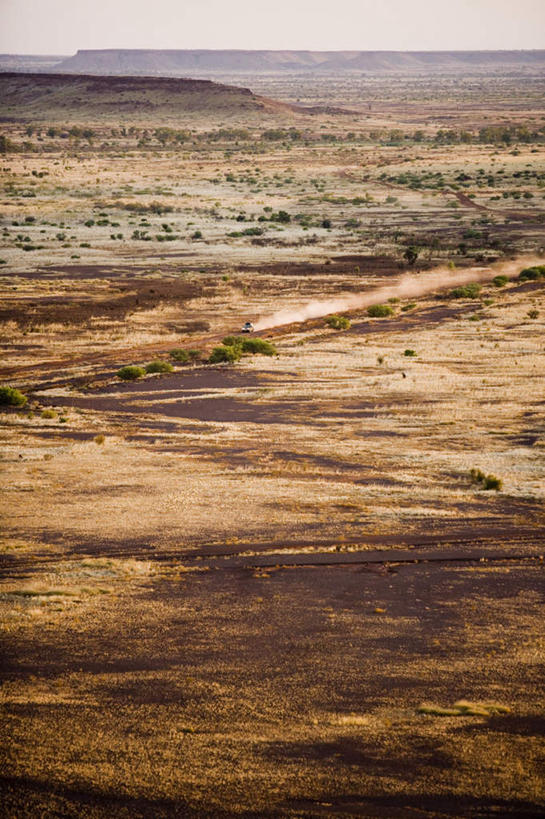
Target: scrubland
[305, 583]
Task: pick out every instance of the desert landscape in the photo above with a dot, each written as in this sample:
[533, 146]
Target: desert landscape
[296, 572]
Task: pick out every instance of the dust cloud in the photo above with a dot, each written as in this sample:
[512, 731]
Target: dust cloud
[411, 285]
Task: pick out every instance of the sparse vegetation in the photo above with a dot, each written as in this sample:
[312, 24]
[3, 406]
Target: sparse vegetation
[184, 356]
[338, 322]
[249, 346]
[306, 459]
[12, 397]
[411, 255]
[532, 273]
[131, 372]
[464, 708]
[258, 346]
[466, 291]
[484, 481]
[159, 366]
[380, 311]
[225, 354]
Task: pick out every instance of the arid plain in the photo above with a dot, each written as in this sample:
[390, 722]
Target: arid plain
[300, 584]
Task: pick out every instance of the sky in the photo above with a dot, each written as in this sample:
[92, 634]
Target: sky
[64, 26]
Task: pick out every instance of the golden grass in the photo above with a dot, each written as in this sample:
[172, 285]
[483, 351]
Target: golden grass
[464, 708]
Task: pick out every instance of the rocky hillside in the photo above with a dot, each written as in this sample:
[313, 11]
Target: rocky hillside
[53, 96]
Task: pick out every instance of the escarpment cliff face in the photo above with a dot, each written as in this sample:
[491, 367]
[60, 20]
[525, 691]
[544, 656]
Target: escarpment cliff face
[192, 61]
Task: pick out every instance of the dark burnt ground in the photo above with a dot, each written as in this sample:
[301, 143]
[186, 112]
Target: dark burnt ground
[114, 300]
[354, 265]
[284, 693]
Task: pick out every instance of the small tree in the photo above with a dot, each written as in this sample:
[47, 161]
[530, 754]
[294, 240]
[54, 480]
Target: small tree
[411, 254]
[224, 354]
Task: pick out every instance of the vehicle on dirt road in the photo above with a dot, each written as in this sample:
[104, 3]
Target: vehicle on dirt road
[247, 327]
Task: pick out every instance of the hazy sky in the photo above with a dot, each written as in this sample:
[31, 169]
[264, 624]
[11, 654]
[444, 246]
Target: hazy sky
[63, 26]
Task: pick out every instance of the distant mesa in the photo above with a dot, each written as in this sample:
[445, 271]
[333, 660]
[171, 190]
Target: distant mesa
[196, 62]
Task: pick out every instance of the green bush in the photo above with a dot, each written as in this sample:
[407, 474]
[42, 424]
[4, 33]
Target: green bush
[131, 372]
[49, 413]
[409, 353]
[185, 356]
[233, 341]
[532, 273]
[338, 322]
[159, 367]
[226, 354]
[380, 311]
[466, 291]
[500, 281]
[179, 355]
[10, 397]
[409, 306]
[250, 346]
[485, 481]
[258, 346]
[282, 216]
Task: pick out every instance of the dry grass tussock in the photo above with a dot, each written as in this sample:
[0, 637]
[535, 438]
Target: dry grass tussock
[464, 708]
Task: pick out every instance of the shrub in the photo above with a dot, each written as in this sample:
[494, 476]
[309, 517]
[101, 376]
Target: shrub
[282, 216]
[233, 341]
[250, 346]
[409, 353]
[179, 355]
[466, 291]
[533, 314]
[99, 439]
[225, 353]
[49, 413]
[409, 306]
[10, 397]
[258, 346]
[196, 235]
[184, 356]
[380, 311]
[500, 281]
[159, 367]
[411, 255]
[532, 273]
[485, 481]
[131, 372]
[338, 322]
